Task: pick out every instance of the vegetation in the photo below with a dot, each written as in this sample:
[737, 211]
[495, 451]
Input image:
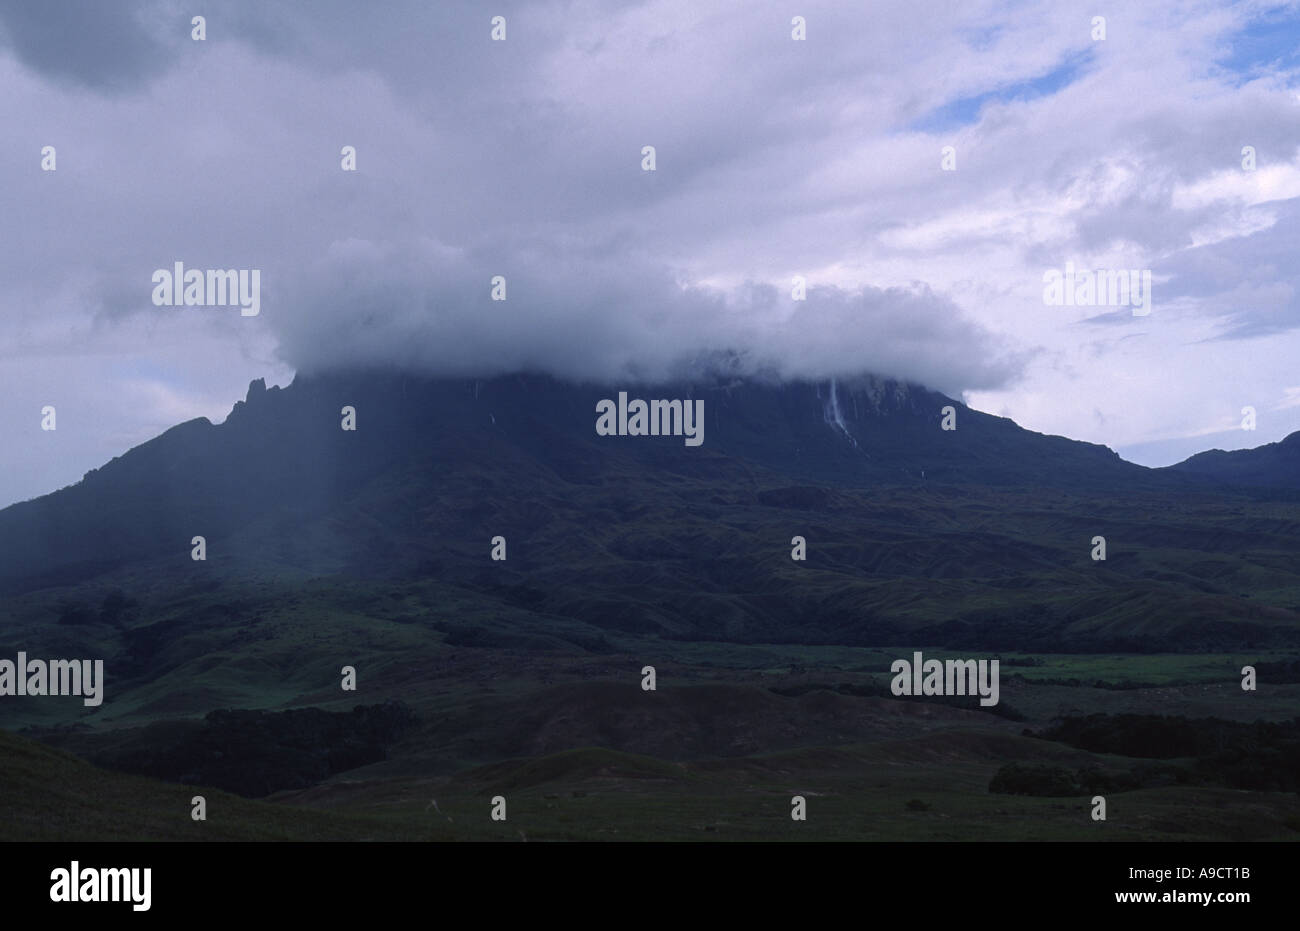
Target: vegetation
[522, 677]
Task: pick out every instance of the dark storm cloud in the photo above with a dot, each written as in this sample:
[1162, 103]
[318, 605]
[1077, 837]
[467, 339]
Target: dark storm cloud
[98, 46]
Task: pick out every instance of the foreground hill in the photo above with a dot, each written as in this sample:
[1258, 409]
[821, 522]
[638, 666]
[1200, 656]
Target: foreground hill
[930, 787]
[48, 795]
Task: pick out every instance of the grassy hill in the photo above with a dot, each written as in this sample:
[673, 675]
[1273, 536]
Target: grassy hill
[49, 795]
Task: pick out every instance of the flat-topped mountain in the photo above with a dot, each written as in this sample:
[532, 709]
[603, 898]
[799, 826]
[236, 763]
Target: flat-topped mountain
[282, 456]
[979, 533]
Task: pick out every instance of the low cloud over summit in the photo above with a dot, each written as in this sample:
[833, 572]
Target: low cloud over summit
[427, 308]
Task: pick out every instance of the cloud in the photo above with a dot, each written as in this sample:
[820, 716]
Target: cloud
[585, 314]
[108, 48]
[776, 159]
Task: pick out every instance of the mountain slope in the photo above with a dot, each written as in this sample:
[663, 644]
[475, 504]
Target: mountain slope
[281, 457]
[1274, 464]
[981, 536]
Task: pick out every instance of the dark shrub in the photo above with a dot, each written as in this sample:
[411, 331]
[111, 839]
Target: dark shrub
[1034, 779]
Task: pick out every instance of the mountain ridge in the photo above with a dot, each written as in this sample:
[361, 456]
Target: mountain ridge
[282, 450]
[979, 535]
[1273, 464]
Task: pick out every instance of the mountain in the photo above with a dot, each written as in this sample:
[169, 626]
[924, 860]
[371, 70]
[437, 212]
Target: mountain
[982, 534]
[1274, 464]
[281, 457]
[372, 550]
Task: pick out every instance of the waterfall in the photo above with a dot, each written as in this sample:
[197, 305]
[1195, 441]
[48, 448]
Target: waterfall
[834, 417]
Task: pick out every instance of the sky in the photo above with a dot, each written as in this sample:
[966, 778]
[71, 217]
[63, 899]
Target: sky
[821, 158]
